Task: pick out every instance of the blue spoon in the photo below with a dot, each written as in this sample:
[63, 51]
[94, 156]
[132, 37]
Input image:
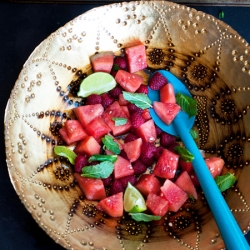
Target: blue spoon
[181, 125]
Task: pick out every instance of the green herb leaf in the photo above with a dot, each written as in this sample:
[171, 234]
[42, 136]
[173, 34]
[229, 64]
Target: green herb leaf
[97, 157]
[102, 170]
[194, 134]
[115, 67]
[184, 154]
[65, 152]
[140, 100]
[225, 181]
[110, 144]
[187, 104]
[119, 121]
[221, 14]
[144, 217]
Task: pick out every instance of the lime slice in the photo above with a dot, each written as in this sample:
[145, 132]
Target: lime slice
[96, 83]
[133, 200]
[65, 152]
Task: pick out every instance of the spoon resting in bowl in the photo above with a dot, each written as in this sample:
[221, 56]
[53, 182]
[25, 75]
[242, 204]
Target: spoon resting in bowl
[181, 125]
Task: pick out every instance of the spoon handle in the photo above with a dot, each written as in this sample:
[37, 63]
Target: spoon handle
[229, 229]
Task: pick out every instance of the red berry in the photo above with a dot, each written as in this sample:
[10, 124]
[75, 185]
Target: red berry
[157, 81]
[148, 149]
[172, 146]
[130, 137]
[142, 89]
[106, 100]
[167, 139]
[93, 99]
[80, 162]
[146, 160]
[116, 91]
[139, 167]
[133, 108]
[120, 62]
[137, 119]
[158, 130]
[107, 181]
[158, 152]
[124, 180]
[116, 187]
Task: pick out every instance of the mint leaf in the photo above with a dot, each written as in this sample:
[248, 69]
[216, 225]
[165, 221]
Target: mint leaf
[194, 134]
[144, 217]
[102, 170]
[119, 121]
[140, 100]
[187, 104]
[115, 67]
[110, 144]
[225, 181]
[65, 152]
[97, 157]
[184, 154]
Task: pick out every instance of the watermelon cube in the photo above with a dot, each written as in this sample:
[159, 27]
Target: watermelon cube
[129, 81]
[88, 146]
[185, 183]
[166, 111]
[167, 94]
[186, 166]
[156, 204]
[147, 131]
[175, 196]
[63, 133]
[136, 57]
[97, 128]
[116, 111]
[166, 165]
[103, 61]
[91, 187]
[148, 183]
[133, 149]
[112, 205]
[122, 167]
[122, 101]
[75, 131]
[85, 114]
[215, 165]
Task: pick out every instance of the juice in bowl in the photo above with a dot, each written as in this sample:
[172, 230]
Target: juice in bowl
[57, 68]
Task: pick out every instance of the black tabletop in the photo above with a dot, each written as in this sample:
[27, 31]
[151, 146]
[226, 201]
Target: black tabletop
[22, 28]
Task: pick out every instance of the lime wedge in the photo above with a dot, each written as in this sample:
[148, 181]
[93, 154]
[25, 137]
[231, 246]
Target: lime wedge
[133, 200]
[96, 83]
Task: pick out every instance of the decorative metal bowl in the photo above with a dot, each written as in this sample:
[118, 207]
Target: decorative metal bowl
[205, 53]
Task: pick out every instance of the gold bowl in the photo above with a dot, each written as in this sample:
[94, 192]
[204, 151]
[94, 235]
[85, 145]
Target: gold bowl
[205, 53]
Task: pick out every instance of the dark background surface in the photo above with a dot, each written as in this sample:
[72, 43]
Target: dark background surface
[22, 28]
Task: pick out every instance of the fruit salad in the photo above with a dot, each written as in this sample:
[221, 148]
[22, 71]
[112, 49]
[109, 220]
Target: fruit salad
[121, 159]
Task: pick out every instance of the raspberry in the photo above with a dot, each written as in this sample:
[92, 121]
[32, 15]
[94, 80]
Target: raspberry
[93, 99]
[80, 162]
[116, 187]
[106, 100]
[172, 146]
[157, 81]
[158, 130]
[148, 150]
[116, 91]
[120, 62]
[124, 180]
[142, 89]
[130, 137]
[137, 119]
[146, 160]
[139, 167]
[167, 139]
[107, 181]
[158, 152]
[133, 108]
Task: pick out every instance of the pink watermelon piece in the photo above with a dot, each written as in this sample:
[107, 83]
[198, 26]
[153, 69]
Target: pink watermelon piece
[167, 94]
[185, 183]
[133, 149]
[136, 57]
[175, 196]
[147, 131]
[166, 165]
[215, 165]
[91, 187]
[88, 146]
[103, 61]
[129, 81]
[122, 168]
[156, 204]
[112, 205]
[166, 111]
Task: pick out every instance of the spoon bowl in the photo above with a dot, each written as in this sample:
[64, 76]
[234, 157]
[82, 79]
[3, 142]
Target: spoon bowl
[181, 125]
